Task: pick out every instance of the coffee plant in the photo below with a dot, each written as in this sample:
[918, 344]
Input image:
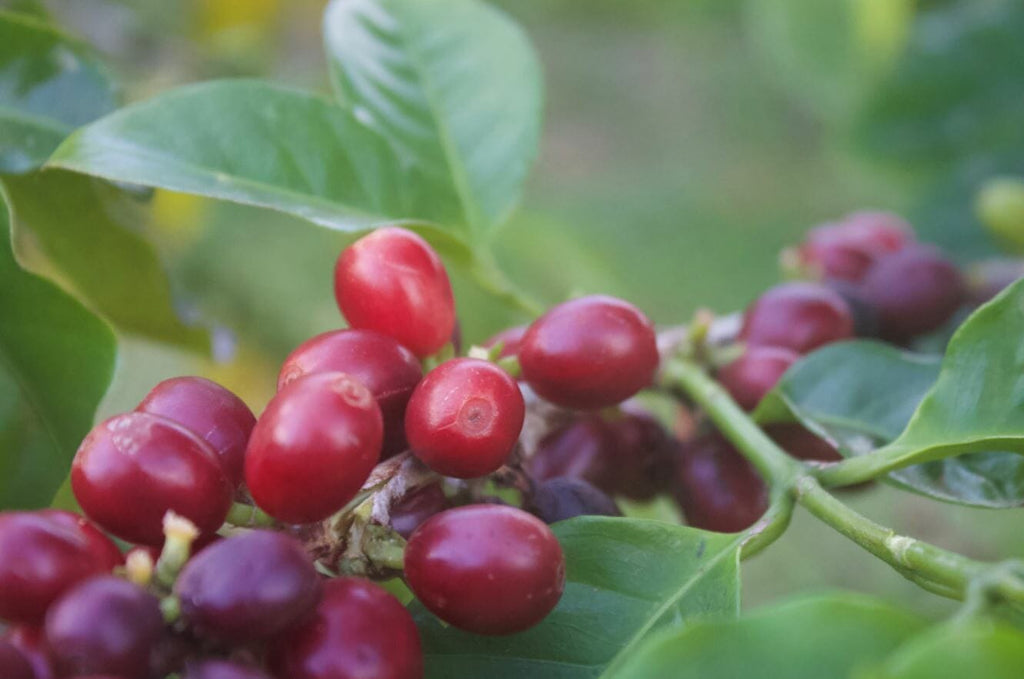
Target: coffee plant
[409, 504]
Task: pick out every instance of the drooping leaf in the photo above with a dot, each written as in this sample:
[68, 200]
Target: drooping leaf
[56, 361]
[807, 638]
[626, 578]
[259, 144]
[49, 85]
[982, 649]
[90, 232]
[453, 83]
[957, 418]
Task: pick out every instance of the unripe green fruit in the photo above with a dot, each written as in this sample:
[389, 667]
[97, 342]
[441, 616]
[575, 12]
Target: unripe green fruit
[1000, 207]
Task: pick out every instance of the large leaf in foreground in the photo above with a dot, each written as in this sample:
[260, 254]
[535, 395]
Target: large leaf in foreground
[809, 638]
[89, 231]
[981, 649]
[56, 361]
[626, 577]
[453, 83]
[49, 85]
[957, 419]
[260, 144]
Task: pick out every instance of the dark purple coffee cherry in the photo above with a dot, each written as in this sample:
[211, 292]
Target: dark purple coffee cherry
[584, 449]
[801, 443]
[865, 316]
[104, 625]
[716, 487]
[222, 669]
[565, 498]
[643, 457]
[248, 587]
[416, 507]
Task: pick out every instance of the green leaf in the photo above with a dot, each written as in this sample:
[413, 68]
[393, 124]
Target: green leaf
[49, 85]
[807, 638]
[957, 95]
[453, 83]
[978, 649]
[255, 143]
[626, 577]
[56, 361]
[958, 420]
[91, 235]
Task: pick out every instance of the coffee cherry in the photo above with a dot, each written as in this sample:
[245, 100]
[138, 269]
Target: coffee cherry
[102, 548]
[222, 669]
[643, 456]
[131, 469]
[104, 625]
[393, 282]
[40, 558]
[510, 339]
[13, 664]
[847, 249]
[416, 507]
[464, 418]
[801, 443]
[488, 569]
[564, 498]
[313, 447]
[915, 291]
[359, 631]
[209, 411]
[584, 449]
[385, 367]
[717, 488]
[31, 643]
[750, 377]
[589, 353]
[248, 587]
[797, 316]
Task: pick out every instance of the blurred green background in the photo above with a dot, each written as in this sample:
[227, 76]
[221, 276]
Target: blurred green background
[685, 142]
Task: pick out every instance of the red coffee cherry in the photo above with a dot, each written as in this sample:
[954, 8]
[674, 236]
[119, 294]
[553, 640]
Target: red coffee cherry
[510, 338]
[488, 569]
[13, 663]
[797, 316]
[464, 418]
[41, 556]
[416, 507]
[313, 447]
[584, 449]
[209, 411]
[385, 367]
[393, 282]
[222, 669]
[847, 249]
[915, 291]
[589, 353]
[248, 587]
[750, 377]
[801, 443]
[358, 631]
[716, 487]
[104, 625]
[131, 469]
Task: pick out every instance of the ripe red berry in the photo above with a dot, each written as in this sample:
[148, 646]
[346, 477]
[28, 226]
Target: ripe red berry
[359, 631]
[248, 587]
[313, 447]
[750, 377]
[393, 282]
[510, 339]
[565, 498]
[797, 316]
[583, 449]
[13, 663]
[488, 569]
[104, 625]
[464, 418]
[209, 411]
[131, 469]
[716, 487]
[416, 507]
[847, 249]
[915, 291]
[385, 367]
[589, 353]
[222, 669]
[40, 558]
[801, 443]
